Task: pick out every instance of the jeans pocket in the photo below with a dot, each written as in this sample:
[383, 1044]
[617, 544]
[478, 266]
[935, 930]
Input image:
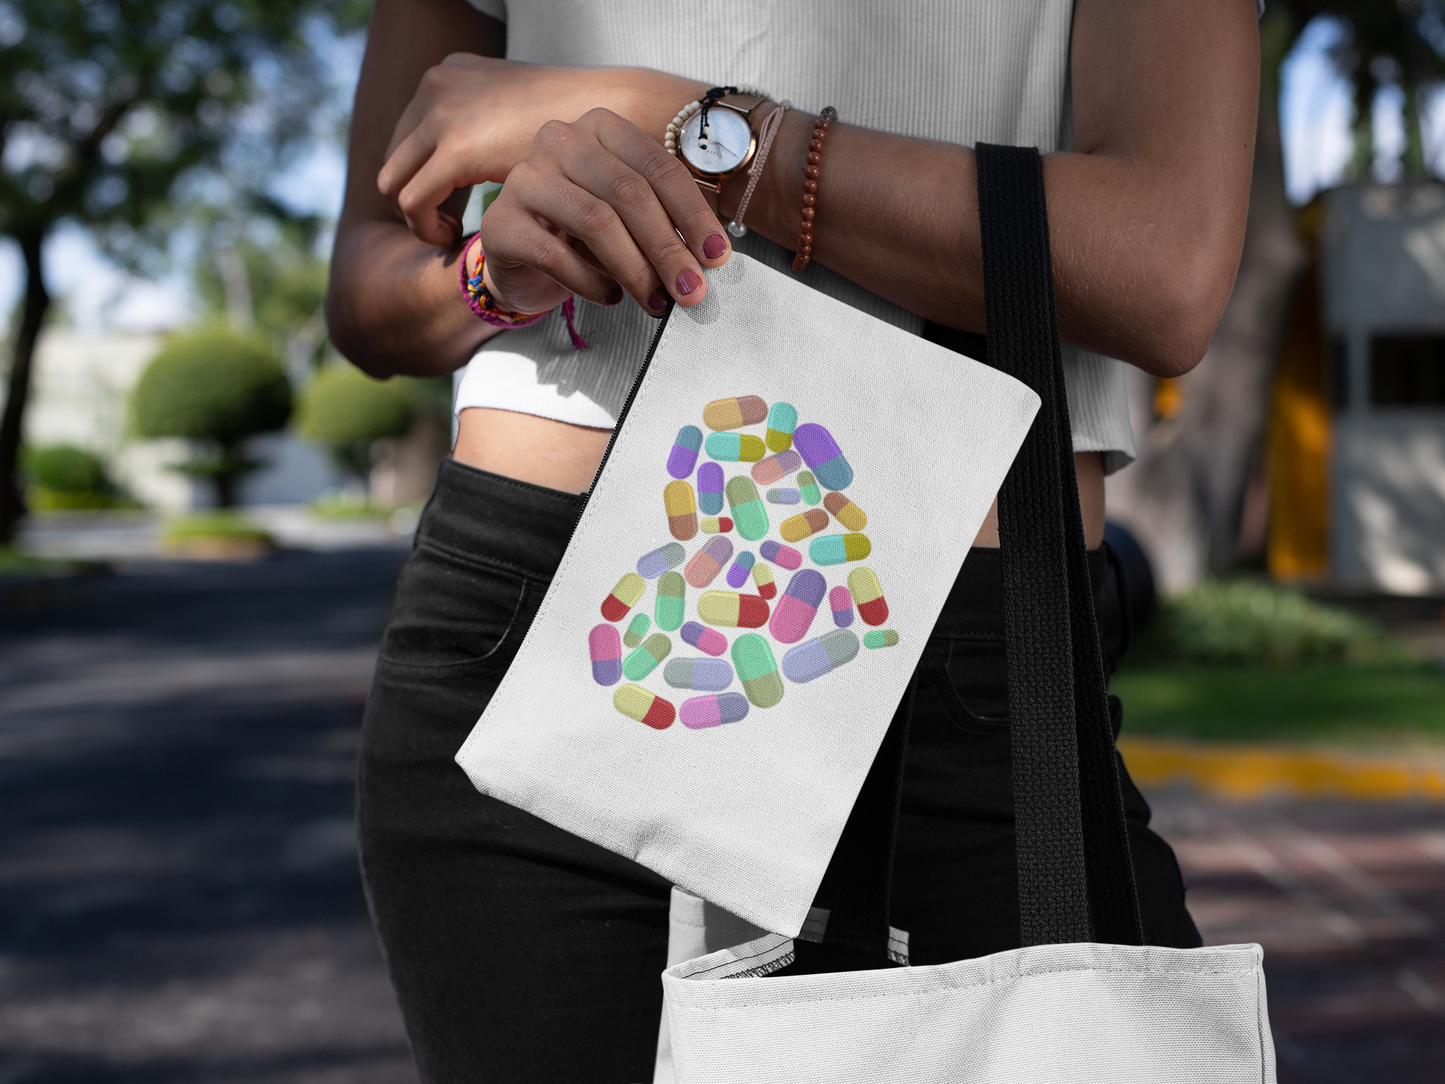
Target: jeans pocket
[969, 679]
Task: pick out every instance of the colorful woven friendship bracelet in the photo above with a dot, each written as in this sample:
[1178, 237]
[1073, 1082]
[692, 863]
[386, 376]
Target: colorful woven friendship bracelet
[480, 299]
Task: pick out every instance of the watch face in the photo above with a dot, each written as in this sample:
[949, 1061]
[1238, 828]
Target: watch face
[727, 147]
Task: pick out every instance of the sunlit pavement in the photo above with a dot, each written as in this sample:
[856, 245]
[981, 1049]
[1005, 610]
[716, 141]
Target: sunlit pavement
[1348, 900]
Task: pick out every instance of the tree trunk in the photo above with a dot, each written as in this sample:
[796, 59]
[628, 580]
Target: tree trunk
[12, 500]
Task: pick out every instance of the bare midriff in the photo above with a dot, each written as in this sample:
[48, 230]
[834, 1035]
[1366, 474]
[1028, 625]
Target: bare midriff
[560, 455]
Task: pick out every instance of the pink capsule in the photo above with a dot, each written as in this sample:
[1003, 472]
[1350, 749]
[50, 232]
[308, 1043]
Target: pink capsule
[605, 648]
[709, 641]
[841, 602]
[795, 611]
[769, 470]
[781, 555]
[707, 562]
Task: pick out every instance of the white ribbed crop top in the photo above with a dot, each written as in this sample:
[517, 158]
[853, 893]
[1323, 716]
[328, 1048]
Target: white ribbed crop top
[958, 71]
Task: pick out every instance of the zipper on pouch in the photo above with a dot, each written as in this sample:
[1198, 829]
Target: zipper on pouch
[626, 407]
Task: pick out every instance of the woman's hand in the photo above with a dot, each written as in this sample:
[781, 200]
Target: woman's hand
[596, 210]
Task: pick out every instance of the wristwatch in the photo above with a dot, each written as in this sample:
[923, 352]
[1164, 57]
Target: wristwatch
[729, 142]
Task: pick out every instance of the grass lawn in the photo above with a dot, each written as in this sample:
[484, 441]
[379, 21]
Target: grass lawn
[1305, 703]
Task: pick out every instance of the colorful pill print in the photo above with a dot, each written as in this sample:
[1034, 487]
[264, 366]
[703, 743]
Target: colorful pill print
[704, 675]
[644, 659]
[734, 413]
[782, 420]
[834, 549]
[808, 487]
[670, 606]
[732, 610]
[716, 525]
[845, 512]
[707, 562]
[683, 456]
[781, 555]
[681, 507]
[757, 670]
[654, 564]
[701, 712]
[776, 467]
[704, 639]
[735, 447]
[636, 630]
[784, 496]
[823, 456]
[799, 605]
[821, 656]
[868, 593]
[710, 489]
[741, 566]
[624, 596]
[635, 702]
[749, 512]
[840, 600]
[796, 528]
[763, 581]
[880, 638]
[605, 650]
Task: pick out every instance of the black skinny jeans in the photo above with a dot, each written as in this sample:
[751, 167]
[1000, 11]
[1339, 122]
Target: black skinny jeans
[521, 953]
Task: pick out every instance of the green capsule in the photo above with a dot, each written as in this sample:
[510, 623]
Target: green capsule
[834, 549]
[750, 515]
[757, 670]
[644, 660]
[636, 630]
[808, 487]
[671, 605]
[880, 638]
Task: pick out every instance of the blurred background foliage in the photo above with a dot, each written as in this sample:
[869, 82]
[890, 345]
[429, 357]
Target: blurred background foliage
[346, 411]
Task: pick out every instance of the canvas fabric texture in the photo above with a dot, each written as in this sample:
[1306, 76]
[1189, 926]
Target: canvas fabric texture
[747, 814]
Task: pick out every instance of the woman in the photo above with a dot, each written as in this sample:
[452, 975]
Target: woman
[520, 952]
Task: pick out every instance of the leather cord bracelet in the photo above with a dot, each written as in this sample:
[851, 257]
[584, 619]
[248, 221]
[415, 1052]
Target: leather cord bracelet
[810, 187]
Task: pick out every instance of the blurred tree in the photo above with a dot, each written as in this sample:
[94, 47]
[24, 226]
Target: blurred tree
[217, 386]
[106, 104]
[346, 411]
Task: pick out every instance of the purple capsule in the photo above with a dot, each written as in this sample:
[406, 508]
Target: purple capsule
[701, 712]
[742, 566]
[710, 489]
[683, 456]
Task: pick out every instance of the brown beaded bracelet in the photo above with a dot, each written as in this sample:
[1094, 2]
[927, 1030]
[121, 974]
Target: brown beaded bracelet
[810, 187]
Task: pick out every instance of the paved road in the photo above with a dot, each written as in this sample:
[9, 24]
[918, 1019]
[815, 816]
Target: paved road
[179, 902]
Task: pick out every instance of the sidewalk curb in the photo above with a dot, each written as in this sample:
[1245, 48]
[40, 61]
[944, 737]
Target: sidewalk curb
[1245, 770]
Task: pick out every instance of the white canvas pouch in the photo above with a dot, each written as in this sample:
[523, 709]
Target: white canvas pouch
[745, 814]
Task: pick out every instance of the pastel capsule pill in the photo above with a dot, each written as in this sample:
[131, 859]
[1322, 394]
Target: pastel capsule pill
[635, 702]
[704, 675]
[716, 525]
[636, 630]
[796, 528]
[645, 658]
[784, 496]
[868, 594]
[823, 456]
[741, 566]
[701, 712]
[840, 600]
[683, 456]
[834, 549]
[605, 650]
[654, 564]
[710, 489]
[781, 555]
[880, 638]
[782, 420]
[819, 656]
[624, 596]
[749, 512]
[703, 638]
[707, 562]
[733, 610]
[757, 670]
[670, 606]
[845, 511]
[734, 413]
[808, 488]
[776, 467]
[735, 447]
[681, 508]
[795, 611]
[763, 580]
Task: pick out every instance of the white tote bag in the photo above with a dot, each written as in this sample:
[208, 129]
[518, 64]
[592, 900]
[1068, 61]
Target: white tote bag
[790, 493]
[1084, 1000]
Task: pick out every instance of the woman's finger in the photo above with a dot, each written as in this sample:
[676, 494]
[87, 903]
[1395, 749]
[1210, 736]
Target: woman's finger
[426, 192]
[528, 262]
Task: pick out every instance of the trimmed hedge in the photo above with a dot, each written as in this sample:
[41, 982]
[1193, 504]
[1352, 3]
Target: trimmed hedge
[215, 384]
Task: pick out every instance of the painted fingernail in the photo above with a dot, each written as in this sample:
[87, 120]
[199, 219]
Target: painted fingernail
[614, 295]
[687, 282]
[714, 246]
[658, 301]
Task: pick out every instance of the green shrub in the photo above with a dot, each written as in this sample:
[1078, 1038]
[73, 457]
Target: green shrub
[218, 386]
[62, 476]
[219, 524]
[345, 410]
[1258, 622]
